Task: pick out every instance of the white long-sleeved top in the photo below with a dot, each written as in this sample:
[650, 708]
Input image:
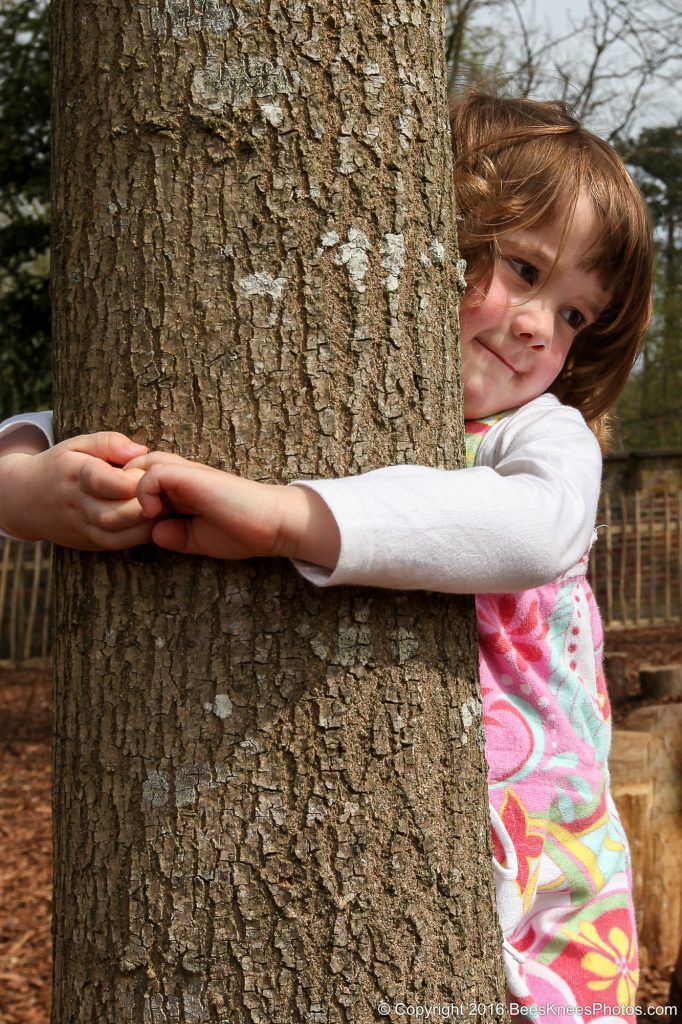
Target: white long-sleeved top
[520, 518]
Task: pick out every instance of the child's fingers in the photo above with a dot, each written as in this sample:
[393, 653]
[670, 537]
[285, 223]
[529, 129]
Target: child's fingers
[148, 494]
[108, 445]
[103, 540]
[175, 535]
[112, 516]
[145, 462]
[170, 484]
[101, 480]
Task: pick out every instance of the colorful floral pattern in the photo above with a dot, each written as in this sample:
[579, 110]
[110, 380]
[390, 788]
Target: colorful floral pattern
[561, 861]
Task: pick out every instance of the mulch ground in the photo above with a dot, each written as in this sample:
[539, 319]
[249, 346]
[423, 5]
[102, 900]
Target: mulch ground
[25, 832]
[26, 843]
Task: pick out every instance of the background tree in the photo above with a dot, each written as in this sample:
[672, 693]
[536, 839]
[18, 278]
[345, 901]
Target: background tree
[25, 351]
[612, 64]
[649, 411]
[270, 801]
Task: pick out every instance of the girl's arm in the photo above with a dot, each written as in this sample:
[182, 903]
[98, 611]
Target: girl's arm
[227, 516]
[73, 493]
[518, 521]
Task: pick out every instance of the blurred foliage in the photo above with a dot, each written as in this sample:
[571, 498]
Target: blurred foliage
[25, 351]
[649, 412]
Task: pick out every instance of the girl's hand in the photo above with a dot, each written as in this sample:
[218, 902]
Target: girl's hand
[74, 494]
[227, 516]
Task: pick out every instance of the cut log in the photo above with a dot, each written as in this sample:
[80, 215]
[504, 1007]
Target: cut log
[647, 786]
[661, 681]
[633, 792]
[620, 686]
[675, 998]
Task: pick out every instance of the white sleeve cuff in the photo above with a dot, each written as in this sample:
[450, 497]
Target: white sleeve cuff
[41, 420]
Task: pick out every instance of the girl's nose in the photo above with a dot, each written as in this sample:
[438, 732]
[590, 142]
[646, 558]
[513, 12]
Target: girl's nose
[533, 325]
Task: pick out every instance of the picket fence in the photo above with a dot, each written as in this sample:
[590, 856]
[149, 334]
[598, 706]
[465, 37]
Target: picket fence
[635, 572]
[636, 564]
[25, 598]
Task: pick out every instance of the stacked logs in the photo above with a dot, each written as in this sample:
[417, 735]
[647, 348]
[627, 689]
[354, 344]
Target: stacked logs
[646, 773]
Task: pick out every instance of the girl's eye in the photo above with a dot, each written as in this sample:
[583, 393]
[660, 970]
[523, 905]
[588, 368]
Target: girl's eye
[526, 271]
[574, 318]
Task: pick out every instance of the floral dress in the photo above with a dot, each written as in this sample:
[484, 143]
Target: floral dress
[561, 860]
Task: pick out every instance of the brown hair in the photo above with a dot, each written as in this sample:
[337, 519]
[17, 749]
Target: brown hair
[521, 163]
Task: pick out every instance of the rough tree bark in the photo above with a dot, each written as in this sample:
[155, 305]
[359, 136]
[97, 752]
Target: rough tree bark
[270, 801]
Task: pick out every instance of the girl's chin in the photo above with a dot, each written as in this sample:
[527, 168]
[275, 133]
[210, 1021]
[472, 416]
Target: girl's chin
[479, 413]
[478, 408]
[481, 395]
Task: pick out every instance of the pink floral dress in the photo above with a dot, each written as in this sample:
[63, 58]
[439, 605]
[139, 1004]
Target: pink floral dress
[561, 860]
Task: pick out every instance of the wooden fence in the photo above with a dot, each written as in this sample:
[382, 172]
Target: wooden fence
[635, 571]
[25, 595]
[635, 566]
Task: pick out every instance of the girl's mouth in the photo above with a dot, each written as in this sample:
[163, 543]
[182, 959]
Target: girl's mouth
[497, 355]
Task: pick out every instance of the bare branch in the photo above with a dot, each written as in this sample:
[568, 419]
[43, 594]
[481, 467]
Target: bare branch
[528, 64]
[607, 66]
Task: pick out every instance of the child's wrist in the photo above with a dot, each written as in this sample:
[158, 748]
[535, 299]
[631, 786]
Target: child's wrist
[13, 485]
[26, 439]
[313, 535]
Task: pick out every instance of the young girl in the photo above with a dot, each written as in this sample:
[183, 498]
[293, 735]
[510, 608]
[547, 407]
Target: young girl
[559, 274]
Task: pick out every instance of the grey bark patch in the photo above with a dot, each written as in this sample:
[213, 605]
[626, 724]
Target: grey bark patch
[460, 272]
[470, 712]
[183, 19]
[236, 82]
[392, 260]
[273, 114]
[155, 790]
[353, 256]
[262, 283]
[437, 252]
[222, 706]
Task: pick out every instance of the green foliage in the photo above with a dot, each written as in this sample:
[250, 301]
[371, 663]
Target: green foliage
[25, 350]
[649, 410]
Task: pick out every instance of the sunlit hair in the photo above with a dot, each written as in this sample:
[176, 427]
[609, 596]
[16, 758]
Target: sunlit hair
[519, 164]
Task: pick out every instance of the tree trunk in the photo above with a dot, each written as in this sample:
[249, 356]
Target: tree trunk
[270, 801]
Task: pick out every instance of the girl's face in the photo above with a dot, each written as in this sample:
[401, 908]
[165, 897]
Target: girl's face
[515, 343]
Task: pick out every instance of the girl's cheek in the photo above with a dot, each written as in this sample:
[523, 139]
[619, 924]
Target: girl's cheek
[479, 318]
